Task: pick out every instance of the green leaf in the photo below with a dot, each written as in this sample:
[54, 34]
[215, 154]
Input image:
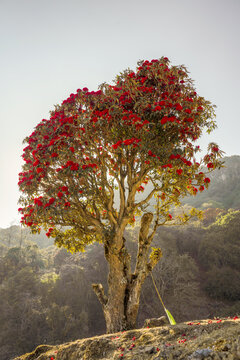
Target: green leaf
[170, 317]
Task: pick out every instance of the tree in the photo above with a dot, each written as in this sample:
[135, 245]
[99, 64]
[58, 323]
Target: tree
[102, 157]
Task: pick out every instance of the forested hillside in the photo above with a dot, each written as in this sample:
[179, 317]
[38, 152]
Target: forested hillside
[224, 191]
[46, 294]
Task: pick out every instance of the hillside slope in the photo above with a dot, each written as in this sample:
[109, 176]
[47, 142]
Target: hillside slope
[206, 339]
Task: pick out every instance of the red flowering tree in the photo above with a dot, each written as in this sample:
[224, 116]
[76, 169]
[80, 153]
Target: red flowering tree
[87, 166]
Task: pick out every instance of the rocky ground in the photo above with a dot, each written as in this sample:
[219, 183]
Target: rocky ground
[204, 339]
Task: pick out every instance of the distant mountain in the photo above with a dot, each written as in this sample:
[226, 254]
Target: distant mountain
[224, 189]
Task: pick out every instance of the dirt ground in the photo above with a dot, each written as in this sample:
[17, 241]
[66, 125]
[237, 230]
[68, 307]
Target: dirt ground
[203, 339]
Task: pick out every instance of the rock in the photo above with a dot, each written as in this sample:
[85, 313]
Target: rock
[200, 354]
[150, 350]
[156, 322]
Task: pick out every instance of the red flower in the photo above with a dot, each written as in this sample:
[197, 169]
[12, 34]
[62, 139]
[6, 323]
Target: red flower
[201, 188]
[188, 111]
[38, 202]
[93, 165]
[48, 234]
[170, 216]
[157, 108]
[51, 201]
[179, 171]
[164, 120]
[36, 163]
[39, 170]
[64, 188]
[150, 153]
[210, 165]
[60, 194]
[128, 141]
[54, 155]
[69, 163]
[74, 167]
[207, 180]
[178, 107]
[115, 146]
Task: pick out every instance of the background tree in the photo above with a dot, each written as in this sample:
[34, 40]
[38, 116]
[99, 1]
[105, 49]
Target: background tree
[87, 166]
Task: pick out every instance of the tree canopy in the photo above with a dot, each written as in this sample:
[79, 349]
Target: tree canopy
[141, 130]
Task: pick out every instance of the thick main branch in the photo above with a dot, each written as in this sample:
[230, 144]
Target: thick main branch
[143, 244]
[99, 291]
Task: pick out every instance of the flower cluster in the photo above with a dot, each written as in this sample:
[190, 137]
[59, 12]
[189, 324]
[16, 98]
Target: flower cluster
[133, 141]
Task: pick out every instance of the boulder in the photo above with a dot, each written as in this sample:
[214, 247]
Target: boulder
[156, 322]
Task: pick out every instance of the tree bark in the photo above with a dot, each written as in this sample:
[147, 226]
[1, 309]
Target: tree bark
[141, 270]
[120, 306]
[114, 304]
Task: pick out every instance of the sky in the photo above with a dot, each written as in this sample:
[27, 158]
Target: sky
[50, 48]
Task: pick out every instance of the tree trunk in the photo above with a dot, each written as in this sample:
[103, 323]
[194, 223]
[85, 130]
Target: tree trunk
[115, 314]
[114, 305]
[142, 270]
[121, 306]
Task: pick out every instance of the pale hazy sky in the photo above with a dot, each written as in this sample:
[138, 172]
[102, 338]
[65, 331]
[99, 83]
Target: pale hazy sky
[49, 48]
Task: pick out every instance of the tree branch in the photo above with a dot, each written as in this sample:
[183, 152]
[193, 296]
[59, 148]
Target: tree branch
[143, 244]
[150, 195]
[122, 193]
[99, 291]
